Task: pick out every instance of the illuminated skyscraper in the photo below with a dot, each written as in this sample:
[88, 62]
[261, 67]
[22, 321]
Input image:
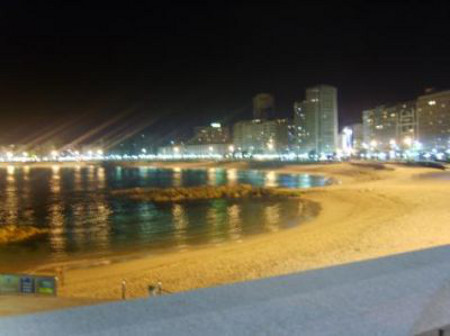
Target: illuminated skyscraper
[263, 106]
[320, 117]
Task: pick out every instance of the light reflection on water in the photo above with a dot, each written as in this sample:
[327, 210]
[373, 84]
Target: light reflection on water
[74, 203]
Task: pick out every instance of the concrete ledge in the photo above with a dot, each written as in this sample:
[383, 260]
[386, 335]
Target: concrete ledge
[405, 294]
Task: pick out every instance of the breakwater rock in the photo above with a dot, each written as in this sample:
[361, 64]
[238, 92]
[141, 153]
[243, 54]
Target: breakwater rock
[16, 233]
[203, 193]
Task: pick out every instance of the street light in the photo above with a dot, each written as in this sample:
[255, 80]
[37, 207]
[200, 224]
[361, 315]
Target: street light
[393, 143]
[408, 141]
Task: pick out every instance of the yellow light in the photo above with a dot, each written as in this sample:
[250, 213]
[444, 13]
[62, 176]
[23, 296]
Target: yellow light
[100, 152]
[231, 148]
[176, 149]
[10, 170]
[407, 141]
[373, 143]
[54, 153]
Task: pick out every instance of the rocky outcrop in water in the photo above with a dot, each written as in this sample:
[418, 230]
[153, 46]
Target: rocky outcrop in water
[202, 193]
[15, 233]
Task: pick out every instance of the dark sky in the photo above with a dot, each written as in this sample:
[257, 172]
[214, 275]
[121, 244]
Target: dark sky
[176, 64]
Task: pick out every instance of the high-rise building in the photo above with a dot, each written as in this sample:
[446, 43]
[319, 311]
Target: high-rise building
[213, 134]
[259, 136]
[299, 127]
[318, 120]
[387, 127]
[433, 114]
[263, 106]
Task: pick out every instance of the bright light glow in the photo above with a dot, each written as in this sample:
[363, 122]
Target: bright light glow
[392, 142]
[99, 151]
[216, 125]
[408, 141]
[418, 145]
[231, 148]
[54, 153]
[347, 131]
[143, 150]
[347, 147]
[373, 143]
[211, 148]
[10, 170]
[270, 146]
[176, 149]
[432, 102]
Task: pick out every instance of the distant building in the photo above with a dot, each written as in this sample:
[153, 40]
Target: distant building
[387, 127]
[197, 151]
[263, 106]
[261, 136]
[213, 134]
[299, 126]
[357, 136]
[346, 141]
[316, 119]
[433, 112]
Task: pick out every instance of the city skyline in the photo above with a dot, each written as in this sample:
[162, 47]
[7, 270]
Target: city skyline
[167, 63]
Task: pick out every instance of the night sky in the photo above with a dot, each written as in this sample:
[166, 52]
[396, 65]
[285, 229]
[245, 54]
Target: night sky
[167, 66]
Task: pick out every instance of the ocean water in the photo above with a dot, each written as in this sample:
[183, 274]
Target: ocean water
[84, 219]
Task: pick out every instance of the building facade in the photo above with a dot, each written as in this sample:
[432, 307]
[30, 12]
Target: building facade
[213, 134]
[263, 106]
[317, 120]
[388, 127]
[299, 127]
[197, 151]
[261, 136]
[433, 114]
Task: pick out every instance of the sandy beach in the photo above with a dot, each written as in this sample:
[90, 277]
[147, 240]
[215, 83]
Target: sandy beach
[369, 213]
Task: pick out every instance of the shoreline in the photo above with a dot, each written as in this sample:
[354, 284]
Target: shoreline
[92, 259]
[370, 213]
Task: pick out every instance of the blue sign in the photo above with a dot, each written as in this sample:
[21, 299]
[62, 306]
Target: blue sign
[27, 285]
